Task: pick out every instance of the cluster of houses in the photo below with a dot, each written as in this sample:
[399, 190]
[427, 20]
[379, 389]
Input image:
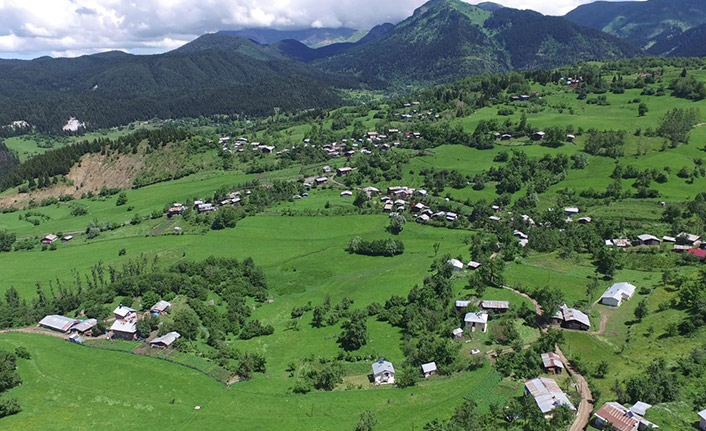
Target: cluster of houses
[384, 371]
[52, 238]
[684, 242]
[202, 207]
[239, 145]
[478, 321]
[124, 327]
[77, 329]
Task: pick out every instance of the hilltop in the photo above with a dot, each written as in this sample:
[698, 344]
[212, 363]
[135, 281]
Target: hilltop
[447, 39]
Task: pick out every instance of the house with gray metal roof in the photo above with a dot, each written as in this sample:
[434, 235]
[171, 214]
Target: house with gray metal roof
[165, 340]
[85, 327]
[571, 318]
[475, 321]
[547, 394]
[617, 293]
[552, 363]
[124, 329]
[58, 323]
[161, 307]
[429, 369]
[383, 372]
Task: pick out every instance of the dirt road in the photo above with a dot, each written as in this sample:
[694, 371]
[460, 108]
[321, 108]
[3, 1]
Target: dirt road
[586, 405]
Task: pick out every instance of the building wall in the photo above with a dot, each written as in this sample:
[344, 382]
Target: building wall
[611, 302]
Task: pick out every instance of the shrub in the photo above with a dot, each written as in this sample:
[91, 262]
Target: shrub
[380, 247]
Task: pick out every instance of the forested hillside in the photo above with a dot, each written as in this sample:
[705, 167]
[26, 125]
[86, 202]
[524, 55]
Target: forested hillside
[641, 22]
[213, 75]
[447, 39]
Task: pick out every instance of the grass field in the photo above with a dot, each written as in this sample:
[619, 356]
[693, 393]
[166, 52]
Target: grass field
[301, 247]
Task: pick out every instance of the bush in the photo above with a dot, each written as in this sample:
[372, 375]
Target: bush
[9, 407]
[381, 247]
[22, 352]
[122, 199]
[254, 329]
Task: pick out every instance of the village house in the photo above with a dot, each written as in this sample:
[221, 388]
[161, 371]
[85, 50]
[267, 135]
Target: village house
[160, 307]
[538, 136]
[461, 304]
[571, 318]
[689, 239]
[640, 408]
[619, 243]
[506, 137]
[176, 209]
[320, 181]
[475, 321]
[451, 216]
[342, 172]
[617, 293]
[429, 369]
[67, 238]
[648, 240]
[85, 327]
[456, 264]
[495, 306]
[520, 235]
[702, 419]
[49, 239]
[697, 252]
[552, 363]
[571, 211]
[346, 194]
[473, 265]
[123, 312]
[584, 220]
[570, 138]
[58, 323]
[457, 333]
[383, 372]
[124, 330]
[423, 219]
[615, 416]
[547, 395]
[327, 169]
[166, 340]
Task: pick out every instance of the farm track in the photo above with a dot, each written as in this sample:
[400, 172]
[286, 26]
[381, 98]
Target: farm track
[586, 405]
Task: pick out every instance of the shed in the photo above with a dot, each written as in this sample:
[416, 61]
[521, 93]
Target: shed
[346, 193]
[617, 293]
[429, 369]
[383, 372]
[463, 304]
[497, 306]
[456, 264]
[165, 340]
[474, 265]
[49, 239]
[552, 363]
[571, 211]
[640, 408]
[85, 327]
[457, 333]
[161, 307]
[58, 323]
[124, 312]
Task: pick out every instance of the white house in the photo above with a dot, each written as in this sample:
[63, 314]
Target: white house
[617, 293]
[476, 321]
[462, 304]
[456, 264]
[571, 211]
[457, 333]
[429, 369]
[702, 419]
[383, 372]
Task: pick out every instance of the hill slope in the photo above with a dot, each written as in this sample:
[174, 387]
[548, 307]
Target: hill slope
[214, 74]
[313, 37]
[447, 39]
[641, 23]
[691, 43]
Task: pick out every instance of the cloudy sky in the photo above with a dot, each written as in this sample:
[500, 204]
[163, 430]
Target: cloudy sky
[31, 28]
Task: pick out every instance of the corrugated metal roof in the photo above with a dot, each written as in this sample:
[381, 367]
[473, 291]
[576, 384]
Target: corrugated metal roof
[123, 326]
[167, 339]
[428, 368]
[160, 306]
[621, 418]
[382, 366]
[702, 414]
[547, 394]
[122, 310]
[85, 325]
[476, 318]
[58, 323]
[551, 360]
[618, 290]
[503, 305]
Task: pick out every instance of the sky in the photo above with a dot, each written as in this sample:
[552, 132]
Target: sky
[68, 28]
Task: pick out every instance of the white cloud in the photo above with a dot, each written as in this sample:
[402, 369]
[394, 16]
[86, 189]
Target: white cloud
[72, 27]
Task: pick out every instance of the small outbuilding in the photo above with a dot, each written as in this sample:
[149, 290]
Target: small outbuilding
[165, 340]
[456, 264]
[429, 369]
[160, 307]
[86, 327]
[457, 333]
[496, 306]
[552, 363]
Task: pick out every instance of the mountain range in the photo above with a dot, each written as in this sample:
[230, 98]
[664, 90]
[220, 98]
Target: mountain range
[647, 24]
[313, 37]
[226, 73]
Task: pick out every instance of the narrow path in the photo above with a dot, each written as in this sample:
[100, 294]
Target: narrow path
[586, 405]
[537, 308]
